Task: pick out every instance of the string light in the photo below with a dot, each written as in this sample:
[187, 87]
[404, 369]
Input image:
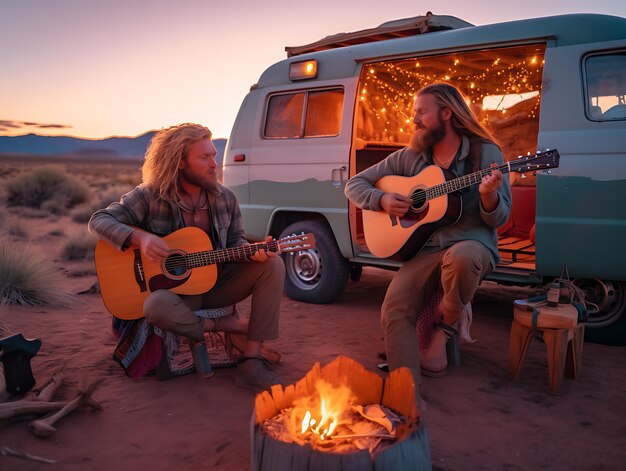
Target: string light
[389, 89]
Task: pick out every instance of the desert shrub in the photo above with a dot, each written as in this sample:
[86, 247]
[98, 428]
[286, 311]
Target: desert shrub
[27, 278]
[16, 228]
[113, 194]
[82, 214]
[46, 183]
[4, 214]
[54, 206]
[80, 245]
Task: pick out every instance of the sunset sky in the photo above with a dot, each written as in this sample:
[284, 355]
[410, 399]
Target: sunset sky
[120, 67]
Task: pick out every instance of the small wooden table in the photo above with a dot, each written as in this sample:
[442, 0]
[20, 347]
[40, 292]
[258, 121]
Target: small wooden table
[561, 332]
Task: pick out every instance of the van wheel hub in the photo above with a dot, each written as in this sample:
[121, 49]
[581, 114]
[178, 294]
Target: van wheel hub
[304, 268]
[607, 296]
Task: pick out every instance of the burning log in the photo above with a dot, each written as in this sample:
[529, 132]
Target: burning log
[340, 417]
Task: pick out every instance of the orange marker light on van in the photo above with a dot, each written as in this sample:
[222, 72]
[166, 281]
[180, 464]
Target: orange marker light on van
[303, 70]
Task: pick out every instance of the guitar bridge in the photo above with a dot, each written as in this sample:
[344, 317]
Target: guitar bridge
[139, 274]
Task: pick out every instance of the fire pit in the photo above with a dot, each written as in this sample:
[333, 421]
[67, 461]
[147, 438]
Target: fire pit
[340, 417]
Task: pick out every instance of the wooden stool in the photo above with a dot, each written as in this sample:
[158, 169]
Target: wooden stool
[562, 334]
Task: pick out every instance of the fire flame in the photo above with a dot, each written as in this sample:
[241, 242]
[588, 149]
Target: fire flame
[323, 412]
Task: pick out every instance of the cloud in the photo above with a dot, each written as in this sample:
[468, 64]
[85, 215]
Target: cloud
[6, 124]
[10, 124]
[56, 126]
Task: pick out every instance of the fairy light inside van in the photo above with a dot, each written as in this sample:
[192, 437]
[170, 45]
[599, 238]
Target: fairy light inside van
[303, 70]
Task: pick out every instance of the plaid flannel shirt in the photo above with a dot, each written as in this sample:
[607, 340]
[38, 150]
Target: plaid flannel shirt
[140, 208]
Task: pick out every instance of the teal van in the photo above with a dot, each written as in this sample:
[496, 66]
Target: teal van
[342, 104]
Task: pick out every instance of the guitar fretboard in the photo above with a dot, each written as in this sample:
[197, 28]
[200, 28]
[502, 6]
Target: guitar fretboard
[209, 257]
[462, 182]
[232, 254]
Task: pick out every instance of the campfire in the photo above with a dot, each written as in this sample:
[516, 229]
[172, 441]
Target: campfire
[340, 414]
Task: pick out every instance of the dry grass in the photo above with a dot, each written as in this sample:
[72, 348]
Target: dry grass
[28, 278]
[26, 275]
[79, 245]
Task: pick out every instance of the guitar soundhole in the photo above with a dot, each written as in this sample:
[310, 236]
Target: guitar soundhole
[419, 200]
[175, 265]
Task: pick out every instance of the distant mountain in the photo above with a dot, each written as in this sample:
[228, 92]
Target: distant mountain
[112, 147]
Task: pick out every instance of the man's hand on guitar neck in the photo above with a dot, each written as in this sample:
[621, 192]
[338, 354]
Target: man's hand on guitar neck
[263, 255]
[488, 189]
[151, 246]
[395, 204]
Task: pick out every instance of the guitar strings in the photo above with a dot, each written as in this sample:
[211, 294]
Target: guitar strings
[420, 196]
[212, 256]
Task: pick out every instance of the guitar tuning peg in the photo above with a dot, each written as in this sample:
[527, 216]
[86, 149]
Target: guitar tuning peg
[524, 175]
[549, 171]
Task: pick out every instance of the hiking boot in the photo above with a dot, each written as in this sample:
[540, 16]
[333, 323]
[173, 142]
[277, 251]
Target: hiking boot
[253, 374]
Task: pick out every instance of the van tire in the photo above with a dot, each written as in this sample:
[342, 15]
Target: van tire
[608, 326]
[319, 275]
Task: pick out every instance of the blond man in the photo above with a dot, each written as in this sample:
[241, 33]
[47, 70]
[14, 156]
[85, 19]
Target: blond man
[180, 188]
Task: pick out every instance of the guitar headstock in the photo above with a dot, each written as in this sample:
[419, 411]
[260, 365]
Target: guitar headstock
[539, 161]
[297, 242]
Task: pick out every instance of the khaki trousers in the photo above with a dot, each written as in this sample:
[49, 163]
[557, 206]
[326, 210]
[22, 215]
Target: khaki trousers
[458, 269]
[235, 282]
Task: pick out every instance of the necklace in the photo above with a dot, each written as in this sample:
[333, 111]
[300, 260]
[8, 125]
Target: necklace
[441, 162]
[194, 208]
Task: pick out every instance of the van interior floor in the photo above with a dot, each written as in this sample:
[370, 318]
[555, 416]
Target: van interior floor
[516, 252]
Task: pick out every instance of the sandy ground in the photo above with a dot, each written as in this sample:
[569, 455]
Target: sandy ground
[477, 418]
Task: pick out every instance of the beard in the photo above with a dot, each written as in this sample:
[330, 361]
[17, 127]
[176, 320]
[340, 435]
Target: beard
[424, 138]
[206, 182]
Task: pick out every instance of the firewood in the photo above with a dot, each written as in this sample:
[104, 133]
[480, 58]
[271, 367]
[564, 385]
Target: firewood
[45, 427]
[8, 410]
[50, 387]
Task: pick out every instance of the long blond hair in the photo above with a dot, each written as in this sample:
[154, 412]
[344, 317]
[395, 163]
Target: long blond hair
[165, 151]
[463, 119]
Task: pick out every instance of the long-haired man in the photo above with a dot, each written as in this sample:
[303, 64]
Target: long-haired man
[457, 257]
[180, 188]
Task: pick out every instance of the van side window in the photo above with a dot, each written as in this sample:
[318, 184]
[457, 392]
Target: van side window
[304, 114]
[323, 114]
[284, 115]
[606, 86]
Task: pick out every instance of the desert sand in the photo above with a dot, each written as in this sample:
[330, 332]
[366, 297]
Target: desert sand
[476, 417]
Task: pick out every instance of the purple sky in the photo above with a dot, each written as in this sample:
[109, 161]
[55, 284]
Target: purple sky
[119, 67]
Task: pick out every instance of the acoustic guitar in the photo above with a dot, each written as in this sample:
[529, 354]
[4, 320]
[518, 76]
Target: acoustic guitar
[437, 203]
[127, 278]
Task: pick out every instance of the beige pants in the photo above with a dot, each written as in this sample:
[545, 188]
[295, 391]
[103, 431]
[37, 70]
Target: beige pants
[458, 269]
[236, 281]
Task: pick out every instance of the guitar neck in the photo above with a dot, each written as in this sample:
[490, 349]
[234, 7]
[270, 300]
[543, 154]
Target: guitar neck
[468, 180]
[232, 254]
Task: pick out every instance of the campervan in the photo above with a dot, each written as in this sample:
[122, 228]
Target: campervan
[339, 105]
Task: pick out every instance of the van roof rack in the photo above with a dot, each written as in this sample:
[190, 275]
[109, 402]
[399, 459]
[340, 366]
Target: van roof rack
[391, 29]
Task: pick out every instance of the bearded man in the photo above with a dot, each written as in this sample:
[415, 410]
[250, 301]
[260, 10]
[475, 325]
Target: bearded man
[457, 257]
[180, 189]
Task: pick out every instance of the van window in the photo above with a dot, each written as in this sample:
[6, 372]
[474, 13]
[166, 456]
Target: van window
[606, 86]
[503, 87]
[304, 114]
